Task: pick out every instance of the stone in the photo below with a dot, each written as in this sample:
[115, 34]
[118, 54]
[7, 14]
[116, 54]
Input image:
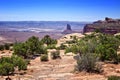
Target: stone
[117, 70]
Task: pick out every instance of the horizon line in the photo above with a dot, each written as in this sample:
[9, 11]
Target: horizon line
[42, 21]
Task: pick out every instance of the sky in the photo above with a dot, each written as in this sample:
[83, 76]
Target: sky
[58, 10]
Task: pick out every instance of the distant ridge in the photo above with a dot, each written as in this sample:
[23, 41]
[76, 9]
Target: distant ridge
[108, 26]
[40, 26]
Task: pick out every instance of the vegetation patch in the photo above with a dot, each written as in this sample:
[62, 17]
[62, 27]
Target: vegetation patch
[44, 57]
[33, 46]
[55, 54]
[48, 40]
[103, 46]
[88, 62]
[114, 78]
[9, 64]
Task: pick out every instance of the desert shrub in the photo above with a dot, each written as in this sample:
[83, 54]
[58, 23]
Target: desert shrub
[30, 48]
[107, 53]
[33, 45]
[107, 47]
[118, 37]
[48, 40]
[7, 46]
[42, 50]
[72, 48]
[27, 61]
[103, 45]
[20, 49]
[44, 57]
[51, 47]
[118, 57]
[6, 68]
[22, 64]
[71, 42]
[87, 62]
[62, 46]
[5, 59]
[71, 37]
[55, 54]
[8, 64]
[19, 62]
[1, 47]
[114, 78]
[67, 50]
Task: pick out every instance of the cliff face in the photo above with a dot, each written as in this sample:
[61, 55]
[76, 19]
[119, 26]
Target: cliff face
[108, 26]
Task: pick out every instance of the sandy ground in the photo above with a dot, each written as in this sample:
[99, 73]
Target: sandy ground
[63, 69]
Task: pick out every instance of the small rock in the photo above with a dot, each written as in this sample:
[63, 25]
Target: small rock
[117, 70]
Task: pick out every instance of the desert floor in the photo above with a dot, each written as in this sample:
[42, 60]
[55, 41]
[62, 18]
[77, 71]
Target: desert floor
[60, 69]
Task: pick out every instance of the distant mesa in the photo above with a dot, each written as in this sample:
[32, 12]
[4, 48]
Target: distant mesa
[68, 30]
[108, 26]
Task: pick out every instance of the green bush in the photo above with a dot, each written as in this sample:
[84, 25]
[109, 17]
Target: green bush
[44, 57]
[6, 68]
[118, 37]
[68, 49]
[32, 45]
[30, 48]
[72, 48]
[71, 42]
[48, 40]
[7, 46]
[118, 57]
[8, 64]
[1, 47]
[62, 46]
[19, 62]
[104, 46]
[20, 49]
[114, 78]
[55, 54]
[87, 62]
[27, 61]
[51, 47]
[22, 64]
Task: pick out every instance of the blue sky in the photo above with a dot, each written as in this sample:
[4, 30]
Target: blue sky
[58, 10]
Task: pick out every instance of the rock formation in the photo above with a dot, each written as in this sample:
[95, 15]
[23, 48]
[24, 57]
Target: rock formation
[108, 26]
[69, 27]
[68, 30]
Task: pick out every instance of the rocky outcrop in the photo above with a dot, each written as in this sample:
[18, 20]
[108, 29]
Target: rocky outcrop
[108, 26]
[68, 30]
